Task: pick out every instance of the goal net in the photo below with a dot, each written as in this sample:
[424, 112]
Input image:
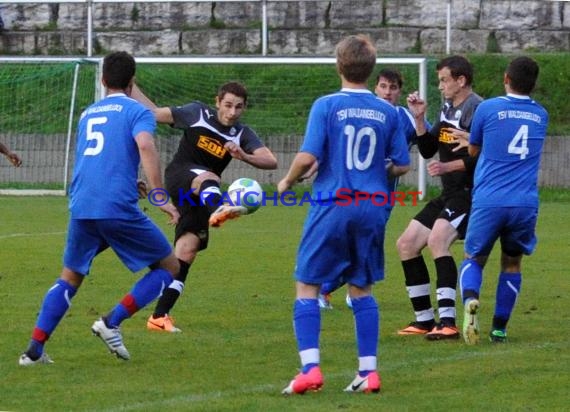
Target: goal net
[41, 100]
[281, 92]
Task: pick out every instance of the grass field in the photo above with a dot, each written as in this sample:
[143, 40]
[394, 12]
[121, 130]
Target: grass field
[237, 349]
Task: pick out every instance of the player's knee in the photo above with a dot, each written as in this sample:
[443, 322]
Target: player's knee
[438, 243]
[187, 246]
[186, 254]
[405, 245]
[511, 262]
[202, 177]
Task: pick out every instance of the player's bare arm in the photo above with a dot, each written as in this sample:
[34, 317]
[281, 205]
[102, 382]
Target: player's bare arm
[150, 161]
[300, 165]
[473, 150]
[395, 171]
[310, 173]
[161, 114]
[11, 156]
[262, 158]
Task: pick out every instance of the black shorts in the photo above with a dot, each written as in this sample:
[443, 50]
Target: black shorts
[193, 216]
[455, 209]
[178, 177]
[193, 219]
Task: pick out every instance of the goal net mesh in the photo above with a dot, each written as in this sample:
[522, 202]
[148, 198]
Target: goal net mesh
[40, 103]
[280, 97]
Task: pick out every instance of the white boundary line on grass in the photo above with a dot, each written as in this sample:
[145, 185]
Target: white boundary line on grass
[11, 235]
[32, 192]
[273, 388]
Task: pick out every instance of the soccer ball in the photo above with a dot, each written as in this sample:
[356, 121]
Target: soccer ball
[246, 192]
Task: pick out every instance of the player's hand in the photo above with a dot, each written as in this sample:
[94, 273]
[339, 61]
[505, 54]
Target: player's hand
[283, 186]
[235, 151]
[172, 212]
[142, 188]
[461, 137]
[14, 159]
[416, 105]
[436, 168]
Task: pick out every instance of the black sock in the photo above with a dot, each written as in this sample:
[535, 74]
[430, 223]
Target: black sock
[446, 289]
[210, 195]
[500, 323]
[170, 295]
[417, 276]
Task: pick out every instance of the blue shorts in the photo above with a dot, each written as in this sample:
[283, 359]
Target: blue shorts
[515, 226]
[137, 242]
[342, 242]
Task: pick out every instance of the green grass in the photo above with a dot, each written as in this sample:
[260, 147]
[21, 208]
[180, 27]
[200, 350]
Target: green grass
[237, 349]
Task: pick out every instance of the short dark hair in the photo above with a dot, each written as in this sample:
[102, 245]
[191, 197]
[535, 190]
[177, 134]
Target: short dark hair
[118, 70]
[234, 88]
[458, 66]
[522, 72]
[392, 75]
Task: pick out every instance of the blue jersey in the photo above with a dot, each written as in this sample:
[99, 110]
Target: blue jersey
[350, 133]
[510, 131]
[107, 159]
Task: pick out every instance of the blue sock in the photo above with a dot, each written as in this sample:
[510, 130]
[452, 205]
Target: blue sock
[147, 289]
[367, 324]
[306, 368]
[330, 287]
[56, 303]
[307, 323]
[508, 289]
[470, 279]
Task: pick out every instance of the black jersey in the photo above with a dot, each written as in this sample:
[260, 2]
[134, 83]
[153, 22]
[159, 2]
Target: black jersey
[204, 138]
[439, 140]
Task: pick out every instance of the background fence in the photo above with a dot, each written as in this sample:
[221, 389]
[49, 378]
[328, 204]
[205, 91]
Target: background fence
[554, 168]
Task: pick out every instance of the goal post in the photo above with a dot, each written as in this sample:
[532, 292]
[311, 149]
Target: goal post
[40, 99]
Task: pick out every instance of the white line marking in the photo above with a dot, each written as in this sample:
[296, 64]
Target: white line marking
[11, 235]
